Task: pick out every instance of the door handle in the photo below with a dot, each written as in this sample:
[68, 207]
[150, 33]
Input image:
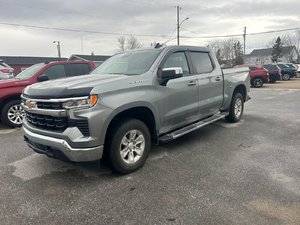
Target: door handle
[218, 78]
[192, 83]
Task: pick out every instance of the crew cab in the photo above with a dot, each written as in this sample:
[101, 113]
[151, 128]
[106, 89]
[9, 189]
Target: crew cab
[11, 89]
[132, 100]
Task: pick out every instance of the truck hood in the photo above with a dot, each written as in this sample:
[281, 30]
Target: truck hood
[14, 83]
[70, 87]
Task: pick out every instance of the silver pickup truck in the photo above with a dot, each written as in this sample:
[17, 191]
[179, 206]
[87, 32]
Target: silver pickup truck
[134, 99]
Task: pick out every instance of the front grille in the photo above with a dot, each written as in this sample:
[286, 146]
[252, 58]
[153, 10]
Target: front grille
[47, 122]
[57, 123]
[49, 105]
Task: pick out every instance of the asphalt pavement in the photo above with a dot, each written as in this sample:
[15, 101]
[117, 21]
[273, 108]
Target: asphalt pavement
[242, 173]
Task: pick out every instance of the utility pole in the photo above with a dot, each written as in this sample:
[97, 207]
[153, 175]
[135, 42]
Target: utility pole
[58, 48]
[244, 36]
[179, 23]
[178, 8]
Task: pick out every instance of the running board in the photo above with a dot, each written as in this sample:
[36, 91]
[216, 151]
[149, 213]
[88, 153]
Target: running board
[192, 127]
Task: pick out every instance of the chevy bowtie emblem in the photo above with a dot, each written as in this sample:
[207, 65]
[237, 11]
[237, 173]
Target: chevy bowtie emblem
[30, 104]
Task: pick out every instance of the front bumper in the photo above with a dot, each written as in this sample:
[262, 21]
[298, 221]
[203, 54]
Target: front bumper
[59, 148]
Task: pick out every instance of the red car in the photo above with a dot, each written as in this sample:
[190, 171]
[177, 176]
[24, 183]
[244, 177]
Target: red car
[258, 76]
[11, 89]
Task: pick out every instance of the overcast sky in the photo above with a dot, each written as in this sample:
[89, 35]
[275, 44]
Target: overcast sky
[148, 20]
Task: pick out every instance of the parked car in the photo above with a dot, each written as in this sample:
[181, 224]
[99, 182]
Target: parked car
[6, 72]
[298, 70]
[258, 76]
[274, 72]
[10, 90]
[132, 99]
[288, 71]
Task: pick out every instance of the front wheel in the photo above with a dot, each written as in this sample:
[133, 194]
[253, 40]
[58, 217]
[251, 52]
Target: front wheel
[12, 114]
[236, 108]
[129, 146]
[257, 82]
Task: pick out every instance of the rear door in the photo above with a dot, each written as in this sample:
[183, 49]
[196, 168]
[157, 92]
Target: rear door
[210, 83]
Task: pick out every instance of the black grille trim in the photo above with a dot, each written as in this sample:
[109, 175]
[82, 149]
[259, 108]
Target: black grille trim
[57, 123]
[47, 122]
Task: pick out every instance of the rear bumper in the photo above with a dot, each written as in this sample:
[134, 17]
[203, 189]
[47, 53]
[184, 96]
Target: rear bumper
[59, 148]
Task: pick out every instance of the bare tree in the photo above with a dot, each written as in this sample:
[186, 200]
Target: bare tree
[224, 50]
[121, 44]
[128, 43]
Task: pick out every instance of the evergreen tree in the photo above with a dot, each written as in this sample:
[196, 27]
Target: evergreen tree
[238, 53]
[277, 50]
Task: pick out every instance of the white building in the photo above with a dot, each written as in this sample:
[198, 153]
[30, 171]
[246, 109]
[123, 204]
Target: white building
[263, 56]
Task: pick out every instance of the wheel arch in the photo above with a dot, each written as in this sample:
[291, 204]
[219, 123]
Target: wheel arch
[9, 98]
[241, 89]
[140, 112]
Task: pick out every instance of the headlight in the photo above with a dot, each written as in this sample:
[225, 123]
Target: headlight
[81, 102]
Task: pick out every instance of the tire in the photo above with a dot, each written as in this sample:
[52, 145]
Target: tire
[12, 114]
[125, 154]
[257, 82]
[236, 108]
[285, 77]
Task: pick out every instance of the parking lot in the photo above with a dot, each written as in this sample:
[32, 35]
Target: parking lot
[244, 173]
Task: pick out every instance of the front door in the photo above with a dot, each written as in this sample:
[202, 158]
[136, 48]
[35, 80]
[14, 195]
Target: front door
[178, 100]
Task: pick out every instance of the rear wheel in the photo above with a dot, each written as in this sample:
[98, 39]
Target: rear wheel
[12, 114]
[257, 82]
[236, 108]
[285, 77]
[129, 146]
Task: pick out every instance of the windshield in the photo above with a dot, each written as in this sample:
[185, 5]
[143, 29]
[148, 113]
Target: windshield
[129, 63]
[30, 71]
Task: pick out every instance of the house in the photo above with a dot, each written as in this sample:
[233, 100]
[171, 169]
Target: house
[97, 59]
[19, 63]
[263, 56]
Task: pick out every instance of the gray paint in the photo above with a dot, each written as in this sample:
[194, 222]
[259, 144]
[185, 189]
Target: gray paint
[174, 105]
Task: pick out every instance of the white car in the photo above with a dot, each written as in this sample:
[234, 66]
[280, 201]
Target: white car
[6, 72]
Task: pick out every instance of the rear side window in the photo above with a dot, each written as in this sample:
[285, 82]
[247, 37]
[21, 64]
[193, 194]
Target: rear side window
[78, 69]
[55, 72]
[201, 62]
[251, 68]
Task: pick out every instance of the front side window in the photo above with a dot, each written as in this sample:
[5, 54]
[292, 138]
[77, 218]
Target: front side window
[55, 72]
[202, 62]
[178, 59]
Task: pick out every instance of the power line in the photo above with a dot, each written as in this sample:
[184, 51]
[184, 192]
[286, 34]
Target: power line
[80, 31]
[274, 31]
[143, 35]
[237, 35]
